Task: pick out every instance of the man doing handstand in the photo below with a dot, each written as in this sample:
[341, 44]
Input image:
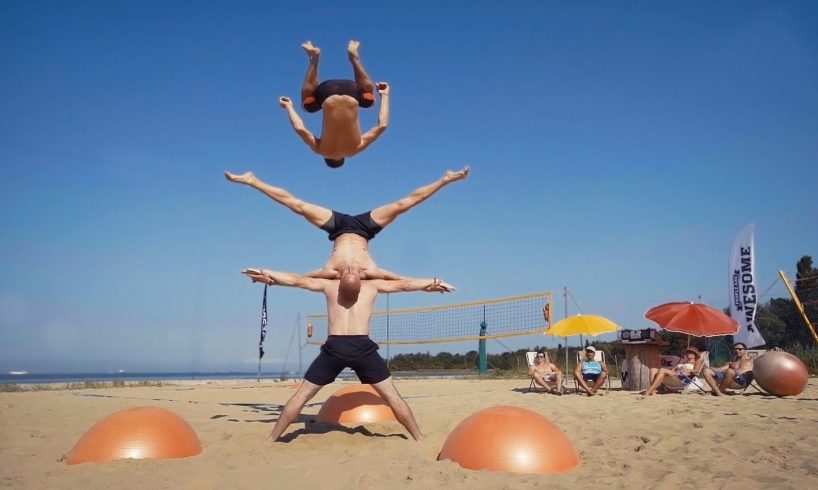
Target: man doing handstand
[350, 234]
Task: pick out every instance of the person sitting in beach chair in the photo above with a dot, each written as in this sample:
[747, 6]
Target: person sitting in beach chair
[592, 369]
[680, 376]
[735, 375]
[543, 372]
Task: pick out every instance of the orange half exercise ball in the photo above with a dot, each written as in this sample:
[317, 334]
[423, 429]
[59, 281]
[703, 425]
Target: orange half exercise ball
[353, 405]
[509, 439]
[136, 433]
[780, 373]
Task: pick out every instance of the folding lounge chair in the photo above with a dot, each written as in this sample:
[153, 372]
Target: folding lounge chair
[599, 356]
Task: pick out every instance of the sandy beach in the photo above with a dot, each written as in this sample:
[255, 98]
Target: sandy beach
[667, 441]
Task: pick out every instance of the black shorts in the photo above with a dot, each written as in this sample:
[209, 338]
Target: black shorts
[358, 352]
[362, 224]
[327, 88]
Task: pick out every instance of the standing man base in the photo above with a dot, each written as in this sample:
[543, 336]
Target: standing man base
[350, 302]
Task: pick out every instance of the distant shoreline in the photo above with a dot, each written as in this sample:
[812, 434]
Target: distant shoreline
[34, 381]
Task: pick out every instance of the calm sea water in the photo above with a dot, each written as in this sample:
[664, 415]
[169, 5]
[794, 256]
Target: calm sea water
[36, 378]
[6, 378]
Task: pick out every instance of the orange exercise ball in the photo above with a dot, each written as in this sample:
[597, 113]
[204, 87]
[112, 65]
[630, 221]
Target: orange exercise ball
[136, 433]
[353, 405]
[780, 373]
[509, 439]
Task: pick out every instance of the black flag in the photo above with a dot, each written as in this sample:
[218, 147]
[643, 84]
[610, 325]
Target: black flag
[263, 324]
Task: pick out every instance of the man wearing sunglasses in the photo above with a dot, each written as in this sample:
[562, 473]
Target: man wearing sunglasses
[546, 374]
[736, 374]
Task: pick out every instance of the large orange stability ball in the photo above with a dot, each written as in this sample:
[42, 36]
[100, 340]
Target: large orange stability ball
[510, 439]
[353, 405]
[780, 373]
[136, 433]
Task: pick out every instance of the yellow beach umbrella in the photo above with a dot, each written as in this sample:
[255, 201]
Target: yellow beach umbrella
[582, 325]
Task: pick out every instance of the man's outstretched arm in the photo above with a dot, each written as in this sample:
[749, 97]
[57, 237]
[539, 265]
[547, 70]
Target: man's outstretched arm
[289, 279]
[383, 119]
[298, 124]
[410, 284]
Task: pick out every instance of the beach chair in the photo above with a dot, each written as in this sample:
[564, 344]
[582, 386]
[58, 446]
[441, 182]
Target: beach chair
[599, 356]
[675, 384]
[529, 357]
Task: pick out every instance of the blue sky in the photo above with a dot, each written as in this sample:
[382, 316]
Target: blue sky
[616, 149]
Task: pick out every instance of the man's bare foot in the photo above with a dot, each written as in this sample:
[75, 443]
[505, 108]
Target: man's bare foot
[455, 176]
[352, 49]
[716, 393]
[245, 178]
[311, 50]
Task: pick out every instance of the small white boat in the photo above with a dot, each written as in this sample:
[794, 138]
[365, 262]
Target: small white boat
[18, 373]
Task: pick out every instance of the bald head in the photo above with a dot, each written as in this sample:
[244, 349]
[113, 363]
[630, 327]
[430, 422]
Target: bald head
[350, 284]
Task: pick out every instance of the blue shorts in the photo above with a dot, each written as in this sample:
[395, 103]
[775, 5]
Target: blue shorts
[590, 376]
[742, 379]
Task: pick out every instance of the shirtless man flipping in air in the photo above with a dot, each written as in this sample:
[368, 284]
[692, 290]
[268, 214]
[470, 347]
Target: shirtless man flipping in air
[339, 100]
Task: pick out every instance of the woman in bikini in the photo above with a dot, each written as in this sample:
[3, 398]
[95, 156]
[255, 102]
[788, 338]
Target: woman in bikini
[684, 371]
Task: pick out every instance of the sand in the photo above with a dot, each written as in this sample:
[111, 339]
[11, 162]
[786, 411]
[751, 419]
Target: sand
[667, 441]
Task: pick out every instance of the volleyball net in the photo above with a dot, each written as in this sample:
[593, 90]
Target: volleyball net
[494, 318]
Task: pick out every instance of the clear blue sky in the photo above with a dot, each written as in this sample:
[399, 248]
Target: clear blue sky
[615, 149]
